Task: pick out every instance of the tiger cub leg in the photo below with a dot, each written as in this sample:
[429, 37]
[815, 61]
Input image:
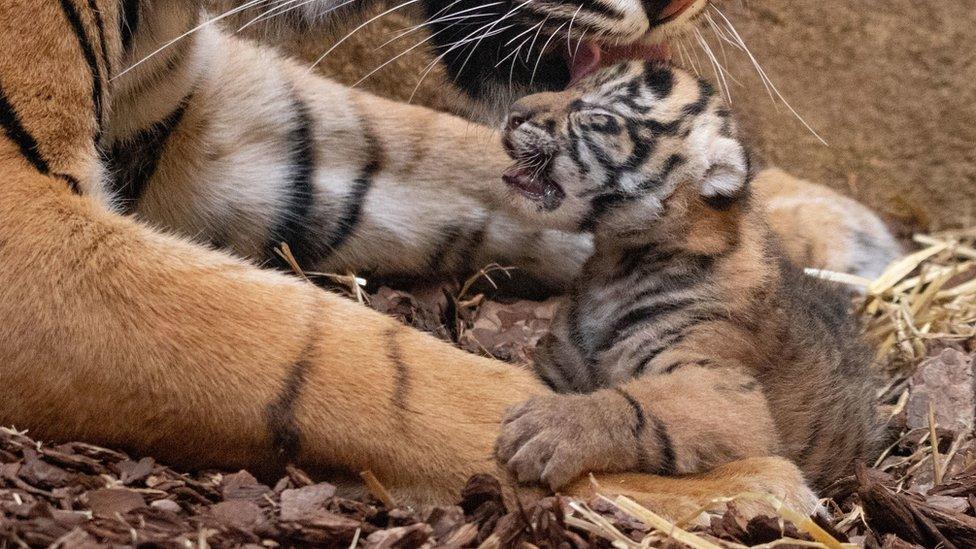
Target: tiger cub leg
[685, 422]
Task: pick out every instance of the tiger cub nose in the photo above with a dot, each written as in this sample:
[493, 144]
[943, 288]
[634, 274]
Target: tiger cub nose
[515, 121]
[517, 117]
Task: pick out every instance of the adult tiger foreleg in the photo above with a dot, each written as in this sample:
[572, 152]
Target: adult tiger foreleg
[226, 141]
[115, 333]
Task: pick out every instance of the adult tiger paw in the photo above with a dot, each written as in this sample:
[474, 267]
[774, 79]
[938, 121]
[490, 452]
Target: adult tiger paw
[554, 439]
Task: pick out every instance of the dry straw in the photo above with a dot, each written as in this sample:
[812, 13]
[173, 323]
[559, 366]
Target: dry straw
[926, 296]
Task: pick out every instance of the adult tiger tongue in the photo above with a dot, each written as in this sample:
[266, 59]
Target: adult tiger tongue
[592, 56]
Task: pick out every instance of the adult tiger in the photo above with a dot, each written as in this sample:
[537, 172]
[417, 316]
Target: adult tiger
[123, 334]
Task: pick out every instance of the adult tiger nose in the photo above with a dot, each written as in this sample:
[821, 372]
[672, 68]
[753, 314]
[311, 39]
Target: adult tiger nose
[664, 10]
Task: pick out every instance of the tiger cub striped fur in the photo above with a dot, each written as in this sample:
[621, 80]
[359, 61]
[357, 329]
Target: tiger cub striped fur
[689, 340]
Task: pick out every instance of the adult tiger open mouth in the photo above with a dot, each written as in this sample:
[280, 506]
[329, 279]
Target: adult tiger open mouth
[498, 50]
[593, 55]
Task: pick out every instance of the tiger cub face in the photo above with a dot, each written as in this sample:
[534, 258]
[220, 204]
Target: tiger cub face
[604, 155]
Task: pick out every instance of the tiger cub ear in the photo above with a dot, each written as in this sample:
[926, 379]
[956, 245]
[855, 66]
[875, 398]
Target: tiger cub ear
[726, 168]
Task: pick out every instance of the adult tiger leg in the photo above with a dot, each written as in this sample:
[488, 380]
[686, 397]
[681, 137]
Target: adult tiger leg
[820, 228]
[120, 335]
[224, 140]
[683, 497]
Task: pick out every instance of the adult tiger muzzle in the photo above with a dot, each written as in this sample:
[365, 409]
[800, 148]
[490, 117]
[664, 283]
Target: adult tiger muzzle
[496, 51]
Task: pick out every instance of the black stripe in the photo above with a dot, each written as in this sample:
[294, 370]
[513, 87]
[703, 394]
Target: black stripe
[293, 225]
[705, 92]
[98, 91]
[134, 161]
[547, 381]
[669, 463]
[720, 202]
[599, 206]
[401, 383]
[643, 460]
[649, 356]
[665, 283]
[659, 79]
[100, 25]
[595, 6]
[71, 181]
[452, 237]
[128, 23]
[472, 246]
[643, 315]
[29, 149]
[658, 128]
[347, 222]
[672, 163]
[578, 340]
[17, 133]
[638, 411]
[280, 414]
[633, 257]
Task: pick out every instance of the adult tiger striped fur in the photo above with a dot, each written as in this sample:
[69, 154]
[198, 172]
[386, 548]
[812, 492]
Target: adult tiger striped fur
[118, 331]
[689, 340]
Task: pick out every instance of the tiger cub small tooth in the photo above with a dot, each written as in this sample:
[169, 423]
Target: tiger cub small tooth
[689, 340]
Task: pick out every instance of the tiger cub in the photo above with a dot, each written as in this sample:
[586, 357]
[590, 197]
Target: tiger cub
[689, 339]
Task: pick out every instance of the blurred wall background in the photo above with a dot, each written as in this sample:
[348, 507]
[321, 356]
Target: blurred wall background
[890, 84]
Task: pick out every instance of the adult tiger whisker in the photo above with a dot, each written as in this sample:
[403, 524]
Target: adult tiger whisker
[523, 33]
[511, 70]
[720, 33]
[453, 19]
[401, 54]
[722, 40]
[514, 52]
[475, 47]
[569, 32]
[431, 21]
[723, 85]
[535, 38]
[467, 39]
[280, 9]
[207, 23]
[771, 87]
[578, 44]
[359, 28]
[454, 46]
[542, 51]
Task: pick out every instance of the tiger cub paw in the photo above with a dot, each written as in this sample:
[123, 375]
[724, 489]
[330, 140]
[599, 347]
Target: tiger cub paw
[554, 439]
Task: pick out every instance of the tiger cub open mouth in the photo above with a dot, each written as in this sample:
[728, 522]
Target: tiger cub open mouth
[530, 175]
